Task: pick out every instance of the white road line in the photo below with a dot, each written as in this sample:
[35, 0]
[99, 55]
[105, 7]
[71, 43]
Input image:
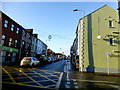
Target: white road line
[115, 86]
[68, 83]
[68, 79]
[67, 75]
[59, 81]
[67, 86]
[75, 83]
[74, 80]
[76, 86]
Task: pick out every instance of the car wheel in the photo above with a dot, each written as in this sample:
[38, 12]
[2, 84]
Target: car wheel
[33, 65]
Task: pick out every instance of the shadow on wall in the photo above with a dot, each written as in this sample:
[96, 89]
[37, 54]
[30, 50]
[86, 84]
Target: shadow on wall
[90, 67]
[115, 41]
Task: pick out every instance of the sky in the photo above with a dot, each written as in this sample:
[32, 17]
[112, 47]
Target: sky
[52, 18]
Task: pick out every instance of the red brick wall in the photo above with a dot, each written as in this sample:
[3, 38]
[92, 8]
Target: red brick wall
[11, 34]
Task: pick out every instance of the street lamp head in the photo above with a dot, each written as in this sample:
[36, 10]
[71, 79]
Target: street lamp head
[75, 10]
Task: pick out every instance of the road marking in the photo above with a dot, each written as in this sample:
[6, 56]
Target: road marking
[59, 80]
[23, 77]
[37, 81]
[24, 84]
[67, 86]
[68, 82]
[68, 79]
[49, 73]
[9, 75]
[43, 76]
[74, 80]
[75, 83]
[30, 78]
[46, 70]
[76, 86]
[50, 86]
[68, 75]
[115, 86]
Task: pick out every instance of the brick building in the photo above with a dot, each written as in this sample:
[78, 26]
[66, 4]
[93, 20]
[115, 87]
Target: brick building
[11, 39]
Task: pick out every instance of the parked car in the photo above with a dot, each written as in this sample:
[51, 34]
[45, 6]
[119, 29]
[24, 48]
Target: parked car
[43, 60]
[29, 61]
[50, 59]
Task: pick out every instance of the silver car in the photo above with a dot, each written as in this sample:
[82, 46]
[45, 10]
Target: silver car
[29, 61]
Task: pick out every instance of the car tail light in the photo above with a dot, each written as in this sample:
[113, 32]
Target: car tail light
[29, 61]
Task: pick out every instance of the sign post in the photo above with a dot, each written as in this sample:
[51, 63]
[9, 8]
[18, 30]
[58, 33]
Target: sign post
[108, 63]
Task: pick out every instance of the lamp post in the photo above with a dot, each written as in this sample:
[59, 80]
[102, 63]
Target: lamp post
[80, 42]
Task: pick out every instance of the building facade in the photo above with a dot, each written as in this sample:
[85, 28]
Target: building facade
[98, 48]
[74, 51]
[119, 29]
[11, 39]
[34, 45]
[41, 48]
[26, 43]
[17, 42]
[0, 38]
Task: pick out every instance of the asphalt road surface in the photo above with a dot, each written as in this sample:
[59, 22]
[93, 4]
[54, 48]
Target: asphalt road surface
[42, 77]
[57, 75]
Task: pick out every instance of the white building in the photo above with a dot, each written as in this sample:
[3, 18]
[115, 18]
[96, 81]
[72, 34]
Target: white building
[41, 48]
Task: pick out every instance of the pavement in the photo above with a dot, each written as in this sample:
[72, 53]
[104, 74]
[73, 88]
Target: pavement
[73, 79]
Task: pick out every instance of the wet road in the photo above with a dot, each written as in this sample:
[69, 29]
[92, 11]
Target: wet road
[53, 76]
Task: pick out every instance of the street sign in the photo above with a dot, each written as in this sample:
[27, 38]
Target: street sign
[49, 37]
[107, 54]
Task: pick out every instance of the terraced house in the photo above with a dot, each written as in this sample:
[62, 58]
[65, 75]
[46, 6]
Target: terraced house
[98, 41]
[11, 39]
[17, 42]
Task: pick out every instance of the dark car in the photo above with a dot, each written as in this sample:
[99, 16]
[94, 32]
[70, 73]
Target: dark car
[43, 60]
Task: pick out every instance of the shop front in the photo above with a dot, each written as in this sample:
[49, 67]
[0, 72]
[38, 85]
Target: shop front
[9, 55]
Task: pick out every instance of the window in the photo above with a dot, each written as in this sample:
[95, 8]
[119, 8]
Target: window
[17, 31]
[6, 23]
[10, 41]
[110, 23]
[3, 39]
[23, 44]
[12, 27]
[111, 41]
[16, 42]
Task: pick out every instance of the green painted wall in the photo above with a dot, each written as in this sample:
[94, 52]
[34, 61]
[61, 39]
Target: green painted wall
[97, 23]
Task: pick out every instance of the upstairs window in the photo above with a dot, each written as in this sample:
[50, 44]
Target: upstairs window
[10, 41]
[110, 23]
[12, 27]
[6, 24]
[112, 41]
[17, 31]
[16, 43]
[3, 39]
